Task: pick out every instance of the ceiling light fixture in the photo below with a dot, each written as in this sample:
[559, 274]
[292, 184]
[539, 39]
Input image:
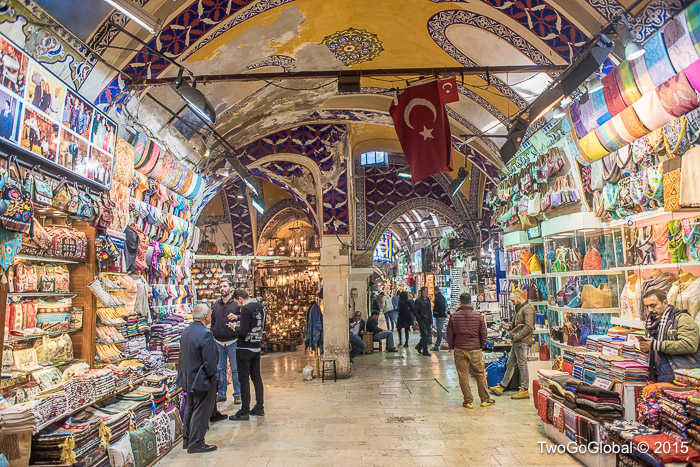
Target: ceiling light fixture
[136, 14]
[404, 173]
[196, 100]
[624, 32]
[558, 112]
[241, 191]
[594, 85]
[259, 204]
[457, 183]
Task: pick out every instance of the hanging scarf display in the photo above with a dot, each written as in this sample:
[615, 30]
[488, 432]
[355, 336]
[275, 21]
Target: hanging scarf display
[641, 76]
[657, 60]
[625, 82]
[675, 242]
[679, 44]
[651, 112]
[613, 98]
[677, 96]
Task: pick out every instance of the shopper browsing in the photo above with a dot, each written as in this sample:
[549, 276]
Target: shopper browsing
[249, 327]
[405, 320]
[424, 316]
[197, 375]
[357, 329]
[440, 315]
[225, 311]
[466, 334]
[521, 336]
[671, 337]
[380, 334]
[388, 309]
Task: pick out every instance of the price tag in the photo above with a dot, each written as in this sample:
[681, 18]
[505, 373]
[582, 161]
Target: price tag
[610, 351]
[603, 383]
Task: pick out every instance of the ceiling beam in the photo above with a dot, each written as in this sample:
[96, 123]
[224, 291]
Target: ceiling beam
[394, 72]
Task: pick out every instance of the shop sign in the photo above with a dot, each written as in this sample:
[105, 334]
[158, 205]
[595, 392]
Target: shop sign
[538, 143]
[40, 114]
[535, 232]
[603, 383]
[384, 251]
[610, 351]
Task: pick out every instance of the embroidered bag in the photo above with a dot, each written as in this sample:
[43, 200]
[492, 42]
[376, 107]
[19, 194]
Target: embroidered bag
[67, 243]
[26, 277]
[16, 208]
[65, 197]
[43, 190]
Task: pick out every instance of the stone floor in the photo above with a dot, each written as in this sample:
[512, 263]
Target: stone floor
[398, 409]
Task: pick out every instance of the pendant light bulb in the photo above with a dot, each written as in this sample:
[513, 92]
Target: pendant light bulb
[624, 32]
[593, 85]
[558, 112]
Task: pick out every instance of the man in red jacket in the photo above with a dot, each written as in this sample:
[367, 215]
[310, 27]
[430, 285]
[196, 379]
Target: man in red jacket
[466, 334]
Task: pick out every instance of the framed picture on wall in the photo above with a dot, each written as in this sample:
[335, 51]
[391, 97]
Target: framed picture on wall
[104, 133]
[13, 68]
[73, 152]
[100, 166]
[45, 91]
[10, 110]
[77, 115]
[39, 134]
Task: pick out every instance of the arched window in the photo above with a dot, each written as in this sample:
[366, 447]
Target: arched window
[374, 158]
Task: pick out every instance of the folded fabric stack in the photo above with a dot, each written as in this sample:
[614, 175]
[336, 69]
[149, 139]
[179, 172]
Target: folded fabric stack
[138, 411]
[154, 361]
[629, 372]
[103, 381]
[121, 378]
[18, 417]
[687, 377]
[591, 362]
[597, 403]
[136, 371]
[116, 423]
[631, 352]
[623, 431]
[694, 427]
[158, 397]
[661, 449]
[648, 409]
[165, 336]
[133, 345]
[593, 344]
[65, 442]
[567, 364]
[49, 407]
[673, 406]
[80, 391]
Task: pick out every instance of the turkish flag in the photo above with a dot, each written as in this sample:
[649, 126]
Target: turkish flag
[423, 128]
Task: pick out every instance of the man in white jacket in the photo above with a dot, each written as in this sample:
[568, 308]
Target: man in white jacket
[388, 309]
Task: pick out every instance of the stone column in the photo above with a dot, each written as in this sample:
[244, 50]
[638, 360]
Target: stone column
[334, 270]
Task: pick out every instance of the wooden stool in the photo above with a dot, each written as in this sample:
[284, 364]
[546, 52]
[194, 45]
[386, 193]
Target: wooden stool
[323, 369]
[368, 339]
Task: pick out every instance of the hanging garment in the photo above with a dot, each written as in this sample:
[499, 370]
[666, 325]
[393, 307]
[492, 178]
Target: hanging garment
[687, 296]
[675, 242]
[645, 244]
[660, 239]
[631, 298]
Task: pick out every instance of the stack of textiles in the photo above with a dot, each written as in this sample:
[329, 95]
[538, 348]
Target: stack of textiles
[597, 403]
[687, 377]
[623, 431]
[165, 336]
[567, 364]
[103, 381]
[133, 345]
[629, 372]
[694, 427]
[578, 366]
[593, 344]
[153, 361]
[669, 450]
[591, 362]
[673, 406]
[617, 331]
[117, 423]
[121, 378]
[136, 371]
[49, 407]
[18, 417]
[65, 442]
[157, 396]
[631, 352]
[80, 391]
[141, 410]
[648, 411]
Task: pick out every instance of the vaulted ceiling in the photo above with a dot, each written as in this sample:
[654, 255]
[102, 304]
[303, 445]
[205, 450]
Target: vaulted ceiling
[238, 36]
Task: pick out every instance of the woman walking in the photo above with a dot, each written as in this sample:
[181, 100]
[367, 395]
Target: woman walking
[405, 320]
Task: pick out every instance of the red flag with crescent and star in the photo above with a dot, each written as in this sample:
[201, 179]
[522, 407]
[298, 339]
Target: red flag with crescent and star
[423, 128]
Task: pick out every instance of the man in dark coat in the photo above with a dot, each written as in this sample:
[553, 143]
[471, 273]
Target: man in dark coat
[424, 316]
[197, 376]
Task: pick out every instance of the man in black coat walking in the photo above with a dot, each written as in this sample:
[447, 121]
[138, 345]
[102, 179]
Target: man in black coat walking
[197, 376]
[424, 316]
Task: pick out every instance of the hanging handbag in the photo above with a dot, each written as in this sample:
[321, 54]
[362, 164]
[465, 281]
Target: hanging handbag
[625, 161]
[596, 297]
[105, 212]
[572, 289]
[534, 264]
[67, 243]
[16, 208]
[557, 193]
[105, 249]
[65, 197]
[574, 194]
[85, 209]
[527, 222]
[534, 206]
[571, 335]
[624, 196]
[574, 260]
[638, 189]
[42, 188]
[655, 185]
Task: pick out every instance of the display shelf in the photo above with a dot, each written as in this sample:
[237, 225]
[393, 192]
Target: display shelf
[36, 336]
[542, 303]
[602, 272]
[43, 294]
[46, 259]
[22, 372]
[541, 331]
[635, 218]
[525, 276]
[566, 309]
[687, 264]
[627, 322]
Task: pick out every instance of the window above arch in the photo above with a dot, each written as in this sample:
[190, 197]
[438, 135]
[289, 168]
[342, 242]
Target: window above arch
[374, 158]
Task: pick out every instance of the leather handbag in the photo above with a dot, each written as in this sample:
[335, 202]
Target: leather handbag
[67, 243]
[574, 261]
[534, 264]
[534, 206]
[592, 261]
[16, 208]
[596, 297]
[42, 188]
[65, 197]
[533, 293]
[544, 352]
[571, 335]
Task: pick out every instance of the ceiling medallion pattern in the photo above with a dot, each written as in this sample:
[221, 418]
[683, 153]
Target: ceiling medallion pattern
[353, 46]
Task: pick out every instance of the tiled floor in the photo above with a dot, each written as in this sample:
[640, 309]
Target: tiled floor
[398, 409]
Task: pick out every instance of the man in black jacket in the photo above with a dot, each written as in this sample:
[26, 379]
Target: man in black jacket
[440, 315]
[379, 334]
[249, 327]
[197, 375]
[224, 312]
[357, 329]
[424, 316]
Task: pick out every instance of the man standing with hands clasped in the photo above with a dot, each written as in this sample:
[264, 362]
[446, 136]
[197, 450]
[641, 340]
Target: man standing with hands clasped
[424, 316]
[224, 312]
[671, 340]
[197, 376]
